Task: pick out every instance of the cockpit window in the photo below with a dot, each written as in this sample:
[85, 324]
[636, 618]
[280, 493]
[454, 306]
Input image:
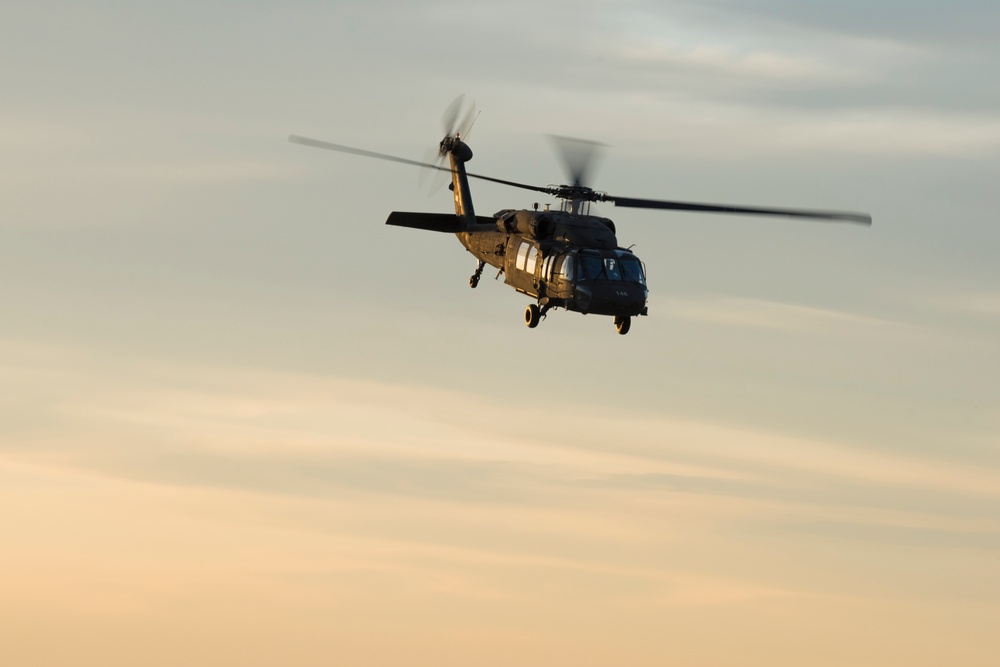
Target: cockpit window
[620, 267]
[611, 269]
[591, 267]
[632, 270]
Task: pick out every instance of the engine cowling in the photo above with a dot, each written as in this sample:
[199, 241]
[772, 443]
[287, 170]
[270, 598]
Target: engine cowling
[532, 224]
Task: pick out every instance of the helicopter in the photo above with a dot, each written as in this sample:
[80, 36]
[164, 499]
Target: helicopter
[561, 258]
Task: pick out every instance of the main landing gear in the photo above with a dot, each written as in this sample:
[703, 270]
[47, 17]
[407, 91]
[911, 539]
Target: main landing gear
[532, 316]
[474, 280]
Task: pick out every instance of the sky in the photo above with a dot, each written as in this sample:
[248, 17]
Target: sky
[243, 422]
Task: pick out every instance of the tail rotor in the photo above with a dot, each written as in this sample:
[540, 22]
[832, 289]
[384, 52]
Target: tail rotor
[454, 131]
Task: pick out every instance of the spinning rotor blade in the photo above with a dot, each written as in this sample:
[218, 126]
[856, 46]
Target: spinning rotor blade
[836, 216]
[450, 116]
[432, 156]
[449, 119]
[583, 192]
[513, 184]
[326, 145]
[451, 128]
[577, 156]
[316, 143]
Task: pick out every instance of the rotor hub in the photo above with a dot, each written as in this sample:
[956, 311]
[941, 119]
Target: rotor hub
[456, 147]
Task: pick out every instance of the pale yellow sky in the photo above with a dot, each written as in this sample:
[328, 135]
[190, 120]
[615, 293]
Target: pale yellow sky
[162, 514]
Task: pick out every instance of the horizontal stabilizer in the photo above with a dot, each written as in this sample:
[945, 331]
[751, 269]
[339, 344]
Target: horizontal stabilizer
[432, 222]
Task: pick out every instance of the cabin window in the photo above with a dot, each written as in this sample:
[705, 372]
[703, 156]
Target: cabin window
[564, 268]
[532, 260]
[522, 255]
[547, 267]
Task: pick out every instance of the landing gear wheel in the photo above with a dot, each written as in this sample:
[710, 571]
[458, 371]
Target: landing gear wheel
[623, 323]
[474, 280]
[532, 316]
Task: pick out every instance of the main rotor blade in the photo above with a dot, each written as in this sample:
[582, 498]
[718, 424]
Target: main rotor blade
[326, 145]
[513, 184]
[316, 143]
[836, 216]
[578, 157]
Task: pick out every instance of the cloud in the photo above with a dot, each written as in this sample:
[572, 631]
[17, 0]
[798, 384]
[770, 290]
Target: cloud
[739, 129]
[36, 135]
[927, 22]
[231, 498]
[305, 435]
[894, 132]
[725, 60]
[777, 316]
[982, 304]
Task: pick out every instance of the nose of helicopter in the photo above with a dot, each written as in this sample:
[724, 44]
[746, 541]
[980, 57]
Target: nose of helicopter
[611, 298]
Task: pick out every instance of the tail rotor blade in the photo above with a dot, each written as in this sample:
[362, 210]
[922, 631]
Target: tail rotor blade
[449, 118]
[432, 180]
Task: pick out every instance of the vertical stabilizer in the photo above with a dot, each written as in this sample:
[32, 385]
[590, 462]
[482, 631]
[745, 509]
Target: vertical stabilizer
[460, 153]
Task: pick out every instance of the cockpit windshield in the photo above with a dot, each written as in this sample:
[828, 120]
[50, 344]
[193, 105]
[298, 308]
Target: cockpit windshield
[622, 266]
[591, 266]
[612, 268]
[632, 270]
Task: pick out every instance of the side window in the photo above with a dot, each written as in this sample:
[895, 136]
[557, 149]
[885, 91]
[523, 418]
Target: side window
[522, 255]
[532, 260]
[564, 268]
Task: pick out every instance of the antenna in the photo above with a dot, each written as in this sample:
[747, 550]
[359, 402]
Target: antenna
[468, 130]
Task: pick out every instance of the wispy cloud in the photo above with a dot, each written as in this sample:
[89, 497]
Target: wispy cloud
[131, 487]
[722, 60]
[738, 129]
[35, 135]
[775, 315]
[983, 304]
[287, 433]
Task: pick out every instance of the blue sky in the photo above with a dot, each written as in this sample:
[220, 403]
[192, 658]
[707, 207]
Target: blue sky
[238, 410]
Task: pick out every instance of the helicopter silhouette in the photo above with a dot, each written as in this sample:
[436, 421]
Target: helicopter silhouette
[565, 258]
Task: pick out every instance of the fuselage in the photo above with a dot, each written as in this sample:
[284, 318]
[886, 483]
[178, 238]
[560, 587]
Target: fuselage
[562, 259]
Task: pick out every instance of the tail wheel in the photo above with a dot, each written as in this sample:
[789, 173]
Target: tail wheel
[532, 316]
[622, 324]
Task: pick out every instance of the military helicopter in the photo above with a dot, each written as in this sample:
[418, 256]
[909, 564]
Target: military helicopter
[565, 258]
